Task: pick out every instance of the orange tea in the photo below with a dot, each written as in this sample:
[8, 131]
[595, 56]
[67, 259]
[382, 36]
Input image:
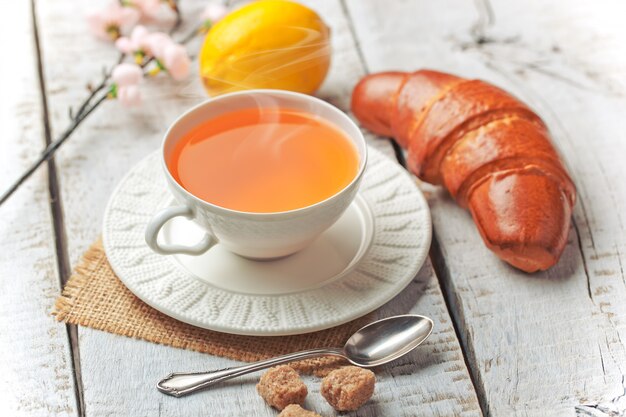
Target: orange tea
[264, 160]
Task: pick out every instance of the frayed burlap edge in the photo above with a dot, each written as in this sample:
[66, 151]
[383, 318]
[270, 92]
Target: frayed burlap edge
[94, 297]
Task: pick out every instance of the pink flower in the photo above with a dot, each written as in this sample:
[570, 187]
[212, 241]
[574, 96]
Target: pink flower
[138, 41]
[108, 23]
[148, 8]
[157, 42]
[171, 56]
[126, 74]
[214, 12]
[125, 45]
[176, 61]
[129, 96]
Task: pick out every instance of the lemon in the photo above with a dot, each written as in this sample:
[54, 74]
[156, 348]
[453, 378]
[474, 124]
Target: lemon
[266, 44]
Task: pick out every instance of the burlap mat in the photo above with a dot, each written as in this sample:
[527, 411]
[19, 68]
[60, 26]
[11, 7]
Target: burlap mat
[96, 298]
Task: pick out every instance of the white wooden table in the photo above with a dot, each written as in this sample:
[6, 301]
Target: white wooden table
[505, 343]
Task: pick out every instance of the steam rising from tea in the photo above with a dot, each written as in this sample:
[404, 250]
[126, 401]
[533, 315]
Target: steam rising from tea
[264, 159]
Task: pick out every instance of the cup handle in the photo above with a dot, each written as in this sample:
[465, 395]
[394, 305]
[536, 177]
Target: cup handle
[162, 217]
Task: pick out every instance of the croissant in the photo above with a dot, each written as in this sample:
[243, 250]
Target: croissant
[490, 150]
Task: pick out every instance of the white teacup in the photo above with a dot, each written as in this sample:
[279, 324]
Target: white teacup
[253, 235]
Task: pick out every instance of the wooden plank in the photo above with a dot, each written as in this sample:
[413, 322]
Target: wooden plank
[35, 358]
[119, 373]
[550, 343]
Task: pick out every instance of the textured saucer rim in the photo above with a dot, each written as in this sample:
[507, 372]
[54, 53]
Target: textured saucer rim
[380, 174]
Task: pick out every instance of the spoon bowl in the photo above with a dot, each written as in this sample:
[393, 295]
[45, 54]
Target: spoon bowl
[386, 340]
[372, 345]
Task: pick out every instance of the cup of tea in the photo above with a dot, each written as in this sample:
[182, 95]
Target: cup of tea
[262, 172]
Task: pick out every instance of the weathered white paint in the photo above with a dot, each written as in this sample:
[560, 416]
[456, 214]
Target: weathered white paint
[119, 373]
[551, 343]
[35, 366]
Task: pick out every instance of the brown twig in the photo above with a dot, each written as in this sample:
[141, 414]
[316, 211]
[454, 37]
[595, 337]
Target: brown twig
[85, 109]
[51, 149]
[179, 17]
[106, 75]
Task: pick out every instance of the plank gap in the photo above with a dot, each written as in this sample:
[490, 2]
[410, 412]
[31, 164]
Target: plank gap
[56, 208]
[436, 257]
[584, 260]
[443, 276]
[397, 149]
[355, 38]
[399, 152]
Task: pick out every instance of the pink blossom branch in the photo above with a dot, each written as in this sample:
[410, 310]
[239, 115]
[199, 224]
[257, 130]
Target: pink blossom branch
[85, 109]
[94, 91]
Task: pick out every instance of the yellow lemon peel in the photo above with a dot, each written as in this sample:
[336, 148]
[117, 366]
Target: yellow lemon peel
[267, 44]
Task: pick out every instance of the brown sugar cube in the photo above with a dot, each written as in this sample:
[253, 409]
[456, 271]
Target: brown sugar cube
[348, 388]
[281, 386]
[294, 410]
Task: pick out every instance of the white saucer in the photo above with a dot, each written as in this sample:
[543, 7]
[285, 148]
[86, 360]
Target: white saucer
[373, 251]
[341, 247]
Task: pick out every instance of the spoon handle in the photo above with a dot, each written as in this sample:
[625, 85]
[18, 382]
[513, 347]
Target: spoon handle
[179, 384]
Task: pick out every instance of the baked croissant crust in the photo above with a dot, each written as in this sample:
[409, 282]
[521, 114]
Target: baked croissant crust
[491, 152]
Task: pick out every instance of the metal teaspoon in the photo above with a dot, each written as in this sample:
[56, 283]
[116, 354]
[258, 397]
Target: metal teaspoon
[375, 344]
